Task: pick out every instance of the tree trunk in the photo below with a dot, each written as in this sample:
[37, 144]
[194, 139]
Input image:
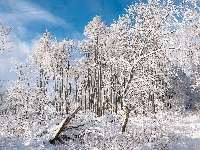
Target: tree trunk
[127, 111]
[153, 106]
[67, 120]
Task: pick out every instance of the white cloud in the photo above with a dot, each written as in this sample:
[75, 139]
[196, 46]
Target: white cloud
[25, 11]
[19, 51]
[22, 16]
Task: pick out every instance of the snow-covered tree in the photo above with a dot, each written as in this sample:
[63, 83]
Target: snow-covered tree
[4, 43]
[136, 57]
[4, 38]
[187, 54]
[53, 59]
[4, 46]
[94, 57]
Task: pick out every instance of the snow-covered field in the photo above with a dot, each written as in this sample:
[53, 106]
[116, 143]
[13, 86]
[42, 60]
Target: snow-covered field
[177, 132]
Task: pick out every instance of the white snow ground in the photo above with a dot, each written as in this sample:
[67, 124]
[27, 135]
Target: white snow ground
[177, 132]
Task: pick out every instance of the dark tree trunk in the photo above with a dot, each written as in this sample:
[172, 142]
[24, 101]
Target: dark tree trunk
[127, 111]
[67, 120]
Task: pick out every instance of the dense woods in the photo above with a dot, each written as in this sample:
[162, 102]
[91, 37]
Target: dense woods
[145, 64]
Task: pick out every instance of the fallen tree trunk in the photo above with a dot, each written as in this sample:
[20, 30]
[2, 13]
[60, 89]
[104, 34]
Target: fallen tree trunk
[63, 125]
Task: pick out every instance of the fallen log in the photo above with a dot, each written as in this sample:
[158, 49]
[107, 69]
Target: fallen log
[63, 125]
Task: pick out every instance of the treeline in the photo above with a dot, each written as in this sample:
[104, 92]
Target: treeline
[137, 63]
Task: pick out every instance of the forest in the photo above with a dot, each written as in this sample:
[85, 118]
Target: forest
[135, 84]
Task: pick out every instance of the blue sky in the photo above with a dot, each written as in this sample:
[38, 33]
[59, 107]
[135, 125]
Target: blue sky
[64, 18]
